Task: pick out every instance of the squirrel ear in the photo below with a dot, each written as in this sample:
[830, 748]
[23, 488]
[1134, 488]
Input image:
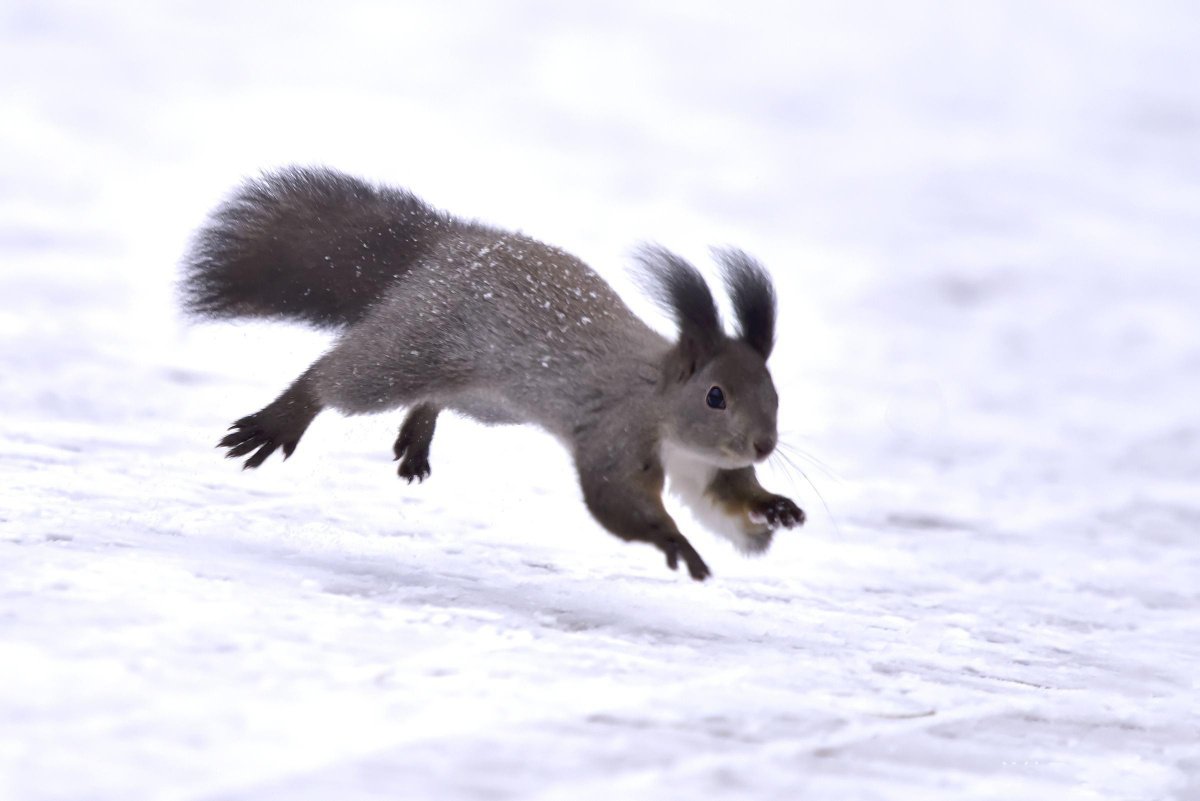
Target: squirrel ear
[681, 291]
[753, 298]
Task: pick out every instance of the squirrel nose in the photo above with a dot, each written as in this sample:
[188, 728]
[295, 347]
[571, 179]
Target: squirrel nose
[763, 446]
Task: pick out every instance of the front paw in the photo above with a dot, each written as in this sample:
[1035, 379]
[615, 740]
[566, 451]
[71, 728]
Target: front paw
[776, 511]
[677, 546]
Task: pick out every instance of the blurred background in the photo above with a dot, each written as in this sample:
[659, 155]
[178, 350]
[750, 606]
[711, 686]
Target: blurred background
[992, 205]
[983, 220]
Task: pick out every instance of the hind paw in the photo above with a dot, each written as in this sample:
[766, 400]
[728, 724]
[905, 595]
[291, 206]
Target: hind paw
[412, 444]
[414, 466]
[249, 434]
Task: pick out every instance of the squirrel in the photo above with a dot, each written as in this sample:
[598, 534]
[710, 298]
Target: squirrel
[438, 313]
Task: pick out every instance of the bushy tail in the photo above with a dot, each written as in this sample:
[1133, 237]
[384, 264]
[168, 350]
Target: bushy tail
[306, 244]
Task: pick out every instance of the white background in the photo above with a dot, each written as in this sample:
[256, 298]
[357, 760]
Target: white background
[984, 223]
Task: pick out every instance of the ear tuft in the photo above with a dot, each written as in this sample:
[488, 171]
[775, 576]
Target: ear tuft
[752, 296]
[681, 291]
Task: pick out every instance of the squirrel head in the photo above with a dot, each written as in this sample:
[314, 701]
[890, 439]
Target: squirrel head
[722, 404]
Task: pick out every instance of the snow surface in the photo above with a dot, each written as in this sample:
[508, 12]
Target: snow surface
[984, 221]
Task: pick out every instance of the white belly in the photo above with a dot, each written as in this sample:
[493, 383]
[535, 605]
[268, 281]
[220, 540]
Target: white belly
[688, 478]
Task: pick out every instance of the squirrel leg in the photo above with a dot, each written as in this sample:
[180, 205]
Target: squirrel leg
[630, 506]
[279, 425]
[412, 444]
[739, 496]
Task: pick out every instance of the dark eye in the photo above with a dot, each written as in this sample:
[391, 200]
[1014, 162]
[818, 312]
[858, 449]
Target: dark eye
[716, 398]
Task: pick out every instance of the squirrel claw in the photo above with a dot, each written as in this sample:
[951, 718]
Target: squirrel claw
[675, 547]
[778, 511]
[414, 467]
[248, 434]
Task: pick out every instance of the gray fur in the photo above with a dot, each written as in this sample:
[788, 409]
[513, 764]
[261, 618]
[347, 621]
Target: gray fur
[499, 327]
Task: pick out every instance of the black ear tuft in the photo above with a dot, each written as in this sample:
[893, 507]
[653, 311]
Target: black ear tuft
[753, 298]
[681, 291]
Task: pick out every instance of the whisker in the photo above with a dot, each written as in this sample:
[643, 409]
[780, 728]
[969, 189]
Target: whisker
[813, 457]
[829, 472]
[829, 512]
[785, 439]
[776, 460]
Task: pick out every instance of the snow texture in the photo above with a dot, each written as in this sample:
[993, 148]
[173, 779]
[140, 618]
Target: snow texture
[984, 223]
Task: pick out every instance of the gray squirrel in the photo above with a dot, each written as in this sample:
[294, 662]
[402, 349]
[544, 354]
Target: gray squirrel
[440, 313]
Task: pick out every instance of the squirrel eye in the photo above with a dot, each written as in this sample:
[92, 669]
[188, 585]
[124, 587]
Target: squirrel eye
[716, 398]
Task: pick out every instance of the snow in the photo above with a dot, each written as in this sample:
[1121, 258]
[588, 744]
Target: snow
[983, 220]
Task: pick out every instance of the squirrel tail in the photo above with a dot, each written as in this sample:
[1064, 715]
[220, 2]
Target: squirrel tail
[311, 245]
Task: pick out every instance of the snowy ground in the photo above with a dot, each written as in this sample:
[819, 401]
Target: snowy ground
[984, 220]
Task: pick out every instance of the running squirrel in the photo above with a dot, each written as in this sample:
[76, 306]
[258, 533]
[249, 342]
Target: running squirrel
[437, 313]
